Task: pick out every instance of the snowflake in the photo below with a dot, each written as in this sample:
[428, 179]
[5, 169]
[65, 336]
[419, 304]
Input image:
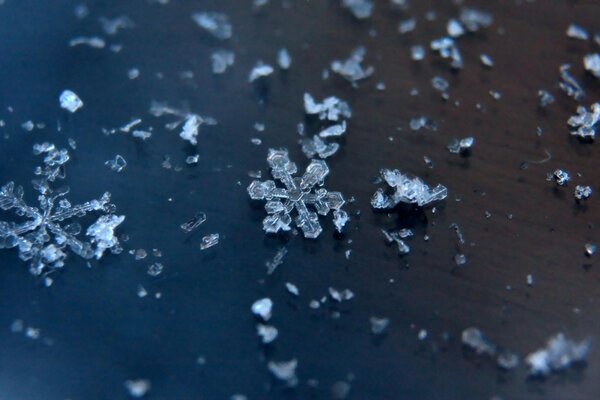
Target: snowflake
[42, 239]
[299, 193]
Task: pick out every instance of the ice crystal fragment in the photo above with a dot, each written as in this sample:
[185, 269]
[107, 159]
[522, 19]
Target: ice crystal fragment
[133, 73]
[417, 53]
[559, 176]
[486, 60]
[190, 128]
[221, 60]
[559, 354]
[454, 28]
[507, 360]
[260, 70]
[406, 189]
[193, 223]
[331, 108]
[333, 130]
[591, 63]
[141, 134]
[284, 370]
[351, 68]
[361, 9]
[127, 127]
[569, 84]
[267, 333]
[417, 123]
[407, 25]
[583, 192]
[117, 164]
[209, 241]
[42, 239]
[284, 60]
[577, 32]
[585, 123]
[217, 24]
[191, 160]
[460, 259]
[447, 48]
[439, 83]
[293, 289]
[155, 269]
[378, 325]
[340, 295]
[262, 308]
[111, 26]
[28, 126]
[94, 41]
[191, 122]
[316, 146]
[460, 146]
[70, 101]
[137, 388]
[474, 339]
[590, 249]
[298, 194]
[473, 19]
[545, 98]
[277, 260]
[340, 219]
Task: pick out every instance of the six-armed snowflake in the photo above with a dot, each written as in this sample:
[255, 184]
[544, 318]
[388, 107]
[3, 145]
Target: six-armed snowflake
[41, 239]
[299, 193]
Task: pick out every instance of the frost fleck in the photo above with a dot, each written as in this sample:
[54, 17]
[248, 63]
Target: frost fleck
[70, 101]
[267, 333]
[284, 60]
[361, 9]
[583, 192]
[217, 24]
[285, 371]
[260, 70]
[577, 32]
[340, 295]
[117, 164]
[276, 261]
[351, 68]
[194, 222]
[262, 308]
[559, 176]
[137, 388]
[585, 123]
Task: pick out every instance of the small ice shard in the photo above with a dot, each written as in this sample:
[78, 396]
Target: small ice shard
[577, 32]
[340, 295]
[351, 68]
[284, 370]
[141, 134]
[193, 223]
[590, 249]
[94, 41]
[155, 269]
[191, 160]
[361, 9]
[447, 48]
[217, 24]
[262, 308]
[417, 53]
[138, 388]
[416, 123]
[209, 241]
[545, 98]
[591, 63]
[331, 108]
[191, 126]
[284, 60]
[141, 292]
[559, 176]
[439, 83]
[379, 325]
[407, 25]
[298, 193]
[569, 84]
[473, 19]
[221, 60]
[111, 26]
[70, 101]
[585, 123]
[127, 127]
[117, 164]
[260, 70]
[340, 219]
[276, 261]
[333, 130]
[28, 126]
[486, 60]
[293, 289]
[407, 189]
[454, 28]
[474, 339]
[102, 233]
[460, 259]
[464, 145]
[316, 146]
[396, 237]
[559, 354]
[583, 192]
[267, 333]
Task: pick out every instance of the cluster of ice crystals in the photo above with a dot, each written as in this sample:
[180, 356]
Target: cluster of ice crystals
[447, 48]
[263, 308]
[407, 189]
[460, 146]
[545, 98]
[331, 108]
[379, 325]
[217, 24]
[340, 295]
[221, 60]
[475, 340]
[191, 122]
[361, 9]
[591, 63]
[560, 353]
[317, 146]
[417, 53]
[42, 239]
[569, 84]
[260, 70]
[70, 101]
[583, 192]
[396, 237]
[585, 123]
[298, 193]
[559, 176]
[351, 68]
[94, 41]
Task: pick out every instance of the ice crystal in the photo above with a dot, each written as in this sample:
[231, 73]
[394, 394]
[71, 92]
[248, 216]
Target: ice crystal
[267, 333]
[70, 101]
[333, 130]
[379, 325]
[417, 53]
[591, 63]
[569, 84]
[316, 146]
[298, 193]
[137, 388]
[331, 108]
[340, 219]
[396, 237]
[583, 192]
[406, 189]
[260, 70]
[340, 295]
[262, 308]
[474, 339]
[454, 28]
[577, 32]
[351, 69]
[221, 60]
[545, 98]
[473, 19]
[407, 25]
[284, 60]
[585, 123]
[194, 222]
[111, 26]
[293, 289]
[559, 354]
[117, 164]
[209, 241]
[361, 9]
[461, 146]
[217, 24]
[276, 261]
[284, 370]
[447, 48]
[191, 122]
[93, 41]
[559, 176]
[42, 239]
[590, 249]
[486, 60]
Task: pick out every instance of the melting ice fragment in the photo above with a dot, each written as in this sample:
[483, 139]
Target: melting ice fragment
[209, 241]
[94, 41]
[316, 146]
[406, 189]
[260, 70]
[545, 98]
[262, 308]
[217, 24]
[585, 123]
[461, 146]
[193, 223]
[70, 101]
[351, 68]
[361, 9]
[102, 233]
[447, 48]
[559, 354]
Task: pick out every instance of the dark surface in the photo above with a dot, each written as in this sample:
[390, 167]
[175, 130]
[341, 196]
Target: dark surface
[96, 333]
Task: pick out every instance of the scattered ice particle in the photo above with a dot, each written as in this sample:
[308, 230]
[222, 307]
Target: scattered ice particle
[439, 83]
[340, 390]
[447, 48]
[221, 60]
[209, 241]
[133, 73]
[293, 289]
[351, 68]
[137, 388]
[28, 126]
[155, 269]
[591, 63]
[340, 218]
[407, 189]
[559, 176]
[460, 259]
[276, 261]
[473, 19]
[81, 11]
[380, 86]
[260, 70]
[256, 141]
[333, 130]
[529, 280]
[127, 127]
[284, 60]
[262, 308]
[141, 134]
[417, 53]
[259, 127]
[193, 223]
[590, 249]
[507, 360]
[259, 3]
[191, 160]
[379, 325]
[331, 108]
[495, 94]
[340, 295]
[559, 354]
[454, 28]
[407, 25]
[284, 370]
[361, 9]
[17, 326]
[486, 60]
[217, 24]
[102, 233]
[316, 146]
[474, 339]
[417, 123]
[32, 333]
[267, 333]
[585, 123]
[70, 101]
[191, 126]
[577, 32]
[314, 304]
[140, 254]
[117, 164]
[464, 145]
[141, 292]
[422, 334]
[94, 41]
[111, 26]
[545, 98]
[569, 84]
[583, 192]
